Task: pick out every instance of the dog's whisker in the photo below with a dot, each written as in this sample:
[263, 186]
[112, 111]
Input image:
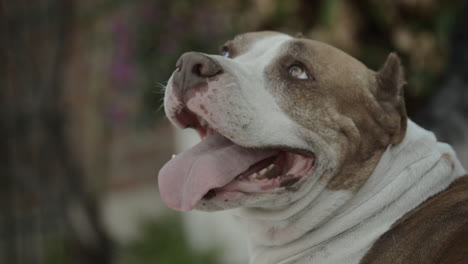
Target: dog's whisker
[161, 86]
[161, 106]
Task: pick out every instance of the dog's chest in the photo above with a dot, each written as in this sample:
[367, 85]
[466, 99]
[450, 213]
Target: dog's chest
[347, 247]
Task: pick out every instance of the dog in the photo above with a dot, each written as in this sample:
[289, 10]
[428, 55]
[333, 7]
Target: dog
[315, 154]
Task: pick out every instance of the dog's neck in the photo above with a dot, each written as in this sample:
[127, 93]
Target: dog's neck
[338, 226]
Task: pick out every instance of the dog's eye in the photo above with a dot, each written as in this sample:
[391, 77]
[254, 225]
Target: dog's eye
[298, 72]
[225, 51]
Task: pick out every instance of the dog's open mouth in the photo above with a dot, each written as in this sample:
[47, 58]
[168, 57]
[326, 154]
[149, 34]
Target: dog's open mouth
[216, 165]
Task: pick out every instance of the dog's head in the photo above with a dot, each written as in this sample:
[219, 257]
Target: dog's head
[277, 115]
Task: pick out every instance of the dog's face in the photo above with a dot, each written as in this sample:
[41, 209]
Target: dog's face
[277, 115]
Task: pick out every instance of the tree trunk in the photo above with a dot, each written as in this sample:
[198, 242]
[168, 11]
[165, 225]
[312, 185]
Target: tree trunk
[40, 177]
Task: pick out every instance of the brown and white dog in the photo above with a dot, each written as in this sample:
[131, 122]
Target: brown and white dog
[317, 155]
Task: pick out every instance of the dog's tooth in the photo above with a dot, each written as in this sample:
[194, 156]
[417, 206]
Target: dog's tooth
[263, 171]
[253, 175]
[202, 121]
[173, 156]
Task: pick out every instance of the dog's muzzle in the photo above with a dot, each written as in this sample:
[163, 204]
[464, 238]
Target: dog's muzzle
[192, 72]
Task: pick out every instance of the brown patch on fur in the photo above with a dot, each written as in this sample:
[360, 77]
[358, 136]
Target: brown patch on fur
[355, 174]
[354, 110]
[388, 112]
[203, 108]
[435, 232]
[201, 87]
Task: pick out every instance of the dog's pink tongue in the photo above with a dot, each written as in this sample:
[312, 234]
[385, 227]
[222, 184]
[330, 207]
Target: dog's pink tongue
[212, 163]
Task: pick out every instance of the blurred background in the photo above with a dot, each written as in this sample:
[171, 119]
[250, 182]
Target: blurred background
[83, 134]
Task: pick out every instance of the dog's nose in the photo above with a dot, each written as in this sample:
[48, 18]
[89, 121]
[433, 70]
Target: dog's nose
[193, 69]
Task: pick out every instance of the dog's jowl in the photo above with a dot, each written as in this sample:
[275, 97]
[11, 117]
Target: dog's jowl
[314, 154]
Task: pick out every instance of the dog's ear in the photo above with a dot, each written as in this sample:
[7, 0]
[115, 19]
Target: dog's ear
[390, 79]
[389, 93]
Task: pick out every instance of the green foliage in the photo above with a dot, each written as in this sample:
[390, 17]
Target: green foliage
[444, 22]
[164, 242]
[56, 252]
[328, 11]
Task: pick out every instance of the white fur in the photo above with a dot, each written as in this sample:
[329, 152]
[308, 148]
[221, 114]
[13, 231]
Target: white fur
[243, 83]
[254, 105]
[338, 227]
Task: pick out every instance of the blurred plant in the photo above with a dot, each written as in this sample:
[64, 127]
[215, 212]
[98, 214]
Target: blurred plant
[56, 251]
[41, 174]
[163, 241]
